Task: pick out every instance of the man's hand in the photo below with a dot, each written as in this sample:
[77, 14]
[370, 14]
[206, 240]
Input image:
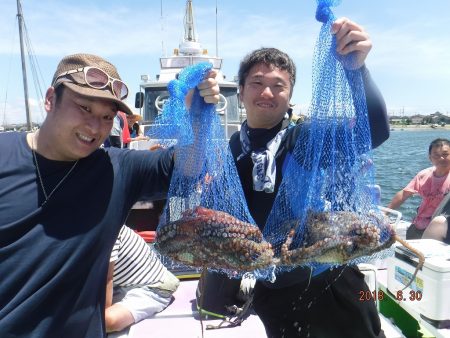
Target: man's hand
[351, 37]
[209, 88]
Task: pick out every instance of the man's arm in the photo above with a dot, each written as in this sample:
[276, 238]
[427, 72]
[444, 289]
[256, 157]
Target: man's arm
[117, 317]
[399, 198]
[354, 44]
[376, 110]
[109, 285]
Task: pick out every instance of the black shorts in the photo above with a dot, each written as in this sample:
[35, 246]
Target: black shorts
[330, 307]
[413, 233]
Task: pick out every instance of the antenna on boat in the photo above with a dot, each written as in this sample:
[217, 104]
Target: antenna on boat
[189, 45]
[217, 37]
[163, 51]
[189, 28]
[24, 68]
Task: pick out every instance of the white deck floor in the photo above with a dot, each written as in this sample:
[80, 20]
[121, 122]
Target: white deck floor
[178, 321]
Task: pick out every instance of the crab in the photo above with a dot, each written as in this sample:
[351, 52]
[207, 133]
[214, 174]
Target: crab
[338, 237]
[205, 237]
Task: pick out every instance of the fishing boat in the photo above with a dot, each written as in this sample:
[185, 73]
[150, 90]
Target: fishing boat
[153, 92]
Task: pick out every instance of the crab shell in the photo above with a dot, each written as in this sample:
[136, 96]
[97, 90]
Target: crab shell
[339, 237]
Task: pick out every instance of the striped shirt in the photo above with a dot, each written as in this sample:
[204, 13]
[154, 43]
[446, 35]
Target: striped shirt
[135, 262]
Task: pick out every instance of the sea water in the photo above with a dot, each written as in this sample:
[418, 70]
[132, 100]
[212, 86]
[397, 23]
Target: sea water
[399, 159]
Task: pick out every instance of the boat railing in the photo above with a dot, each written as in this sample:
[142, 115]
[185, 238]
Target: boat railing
[392, 214]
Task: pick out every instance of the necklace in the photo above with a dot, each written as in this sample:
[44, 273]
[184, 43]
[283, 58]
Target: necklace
[47, 196]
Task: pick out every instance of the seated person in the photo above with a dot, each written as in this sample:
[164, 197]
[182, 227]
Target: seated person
[138, 284]
[432, 184]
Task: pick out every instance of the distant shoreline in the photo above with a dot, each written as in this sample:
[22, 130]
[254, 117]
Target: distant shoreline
[417, 127]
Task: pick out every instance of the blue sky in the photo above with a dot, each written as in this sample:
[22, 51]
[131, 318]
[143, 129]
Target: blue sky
[410, 59]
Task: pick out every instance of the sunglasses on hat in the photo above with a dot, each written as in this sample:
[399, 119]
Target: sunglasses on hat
[96, 78]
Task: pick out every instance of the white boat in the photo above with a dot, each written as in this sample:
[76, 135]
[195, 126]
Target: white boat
[153, 92]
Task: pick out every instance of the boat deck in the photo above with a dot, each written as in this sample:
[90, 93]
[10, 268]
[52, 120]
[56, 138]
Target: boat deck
[181, 319]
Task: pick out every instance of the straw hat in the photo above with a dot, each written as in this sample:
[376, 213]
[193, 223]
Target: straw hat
[75, 61]
[135, 117]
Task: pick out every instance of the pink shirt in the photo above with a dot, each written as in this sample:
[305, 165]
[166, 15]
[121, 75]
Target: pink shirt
[432, 190]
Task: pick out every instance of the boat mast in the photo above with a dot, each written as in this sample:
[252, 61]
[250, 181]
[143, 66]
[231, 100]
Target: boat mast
[189, 45]
[217, 37]
[189, 29]
[24, 68]
[163, 50]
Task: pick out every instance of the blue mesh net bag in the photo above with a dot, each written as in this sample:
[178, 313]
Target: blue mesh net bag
[206, 222]
[325, 211]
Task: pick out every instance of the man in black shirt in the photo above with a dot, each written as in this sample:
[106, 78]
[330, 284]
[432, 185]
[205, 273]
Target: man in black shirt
[330, 307]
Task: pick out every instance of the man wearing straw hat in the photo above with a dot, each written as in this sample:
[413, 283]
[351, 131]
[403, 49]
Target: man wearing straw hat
[63, 200]
[134, 128]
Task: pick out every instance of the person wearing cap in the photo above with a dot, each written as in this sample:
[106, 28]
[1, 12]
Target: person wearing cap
[63, 200]
[135, 132]
[133, 125]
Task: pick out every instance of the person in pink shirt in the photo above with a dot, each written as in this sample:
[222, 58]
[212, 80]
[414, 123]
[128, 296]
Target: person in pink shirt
[432, 184]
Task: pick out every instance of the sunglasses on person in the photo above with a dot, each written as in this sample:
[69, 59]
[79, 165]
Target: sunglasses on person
[96, 78]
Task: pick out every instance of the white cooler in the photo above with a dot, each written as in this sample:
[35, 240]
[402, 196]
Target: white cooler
[429, 293]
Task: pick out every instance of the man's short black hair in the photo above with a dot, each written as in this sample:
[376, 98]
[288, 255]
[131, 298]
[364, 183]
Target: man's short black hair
[270, 57]
[437, 143]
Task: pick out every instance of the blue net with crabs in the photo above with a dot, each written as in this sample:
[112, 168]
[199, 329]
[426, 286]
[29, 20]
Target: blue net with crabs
[325, 206]
[206, 222]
